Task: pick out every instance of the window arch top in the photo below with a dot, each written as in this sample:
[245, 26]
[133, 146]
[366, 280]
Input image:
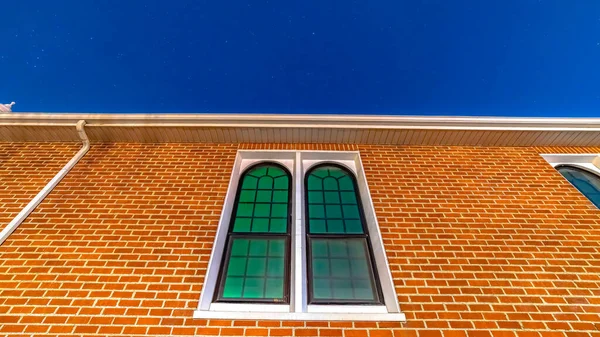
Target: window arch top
[586, 182]
[333, 203]
[263, 200]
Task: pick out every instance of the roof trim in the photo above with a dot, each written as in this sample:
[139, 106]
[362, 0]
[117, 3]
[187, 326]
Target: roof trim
[413, 130]
[306, 121]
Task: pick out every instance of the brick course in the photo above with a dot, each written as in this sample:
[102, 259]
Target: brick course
[481, 242]
[25, 168]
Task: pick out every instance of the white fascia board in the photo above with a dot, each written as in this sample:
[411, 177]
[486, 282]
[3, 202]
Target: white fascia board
[305, 121]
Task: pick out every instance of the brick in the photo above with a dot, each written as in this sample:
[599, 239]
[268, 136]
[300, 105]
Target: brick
[135, 330]
[455, 333]
[159, 330]
[280, 332]
[528, 334]
[306, 332]
[87, 329]
[503, 333]
[257, 332]
[356, 333]
[380, 333]
[475, 333]
[232, 332]
[405, 333]
[200, 331]
[110, 329]
[330, 332]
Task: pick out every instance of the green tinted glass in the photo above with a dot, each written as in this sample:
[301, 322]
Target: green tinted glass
[280, 196]
[335, 226]
[275, 172]
[278, 225]
[260, 225]
[263, 196]
[341, 270]
[333, 207]
[247, 195]
[265, 182]
[245, 209]
[263, 201]
[346, 184]
[332, 197]
[281, 183]
[249, 182]
[255, 269]
[315, 183]
[317, 226]
[274, 288]
[279, 210]
[262, 210]
[242, 224]
[330, 184]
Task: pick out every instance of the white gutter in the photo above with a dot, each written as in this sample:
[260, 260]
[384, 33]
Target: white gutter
[302, 121]
[50, 186]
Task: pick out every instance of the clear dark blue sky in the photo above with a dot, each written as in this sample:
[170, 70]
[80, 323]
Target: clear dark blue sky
[434, 57]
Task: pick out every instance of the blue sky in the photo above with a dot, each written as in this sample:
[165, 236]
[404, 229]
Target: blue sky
[419, 57]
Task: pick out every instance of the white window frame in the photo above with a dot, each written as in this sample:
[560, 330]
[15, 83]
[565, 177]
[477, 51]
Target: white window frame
[298, 163]
[588, 161]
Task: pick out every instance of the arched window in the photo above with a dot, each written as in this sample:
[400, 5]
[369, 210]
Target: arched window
[256, 264]
[340, 257]
[586, 182]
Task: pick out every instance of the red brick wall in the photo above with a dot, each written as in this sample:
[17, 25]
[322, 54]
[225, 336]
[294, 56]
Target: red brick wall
[25, 168]
[480, 241]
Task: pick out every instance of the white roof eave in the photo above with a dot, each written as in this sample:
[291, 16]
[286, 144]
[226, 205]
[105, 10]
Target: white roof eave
[366, 129]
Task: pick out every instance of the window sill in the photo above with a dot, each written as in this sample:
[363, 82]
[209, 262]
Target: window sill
[315, 313]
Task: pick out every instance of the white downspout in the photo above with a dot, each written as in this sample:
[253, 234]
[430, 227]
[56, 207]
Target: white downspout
[50, 186]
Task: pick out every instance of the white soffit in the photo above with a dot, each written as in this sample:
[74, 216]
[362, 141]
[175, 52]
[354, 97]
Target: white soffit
[343, 129]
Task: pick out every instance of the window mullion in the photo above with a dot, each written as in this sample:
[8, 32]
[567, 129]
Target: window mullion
[299, 290]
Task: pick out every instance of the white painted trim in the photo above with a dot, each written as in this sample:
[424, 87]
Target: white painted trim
[12, 226]
[247, 307]
[214, 263]
[304, 121]
[588, 161]
[383, 267]
[300, 316]
[349, 309]
[299, 269]
[285, 159]
[298, 163]
[349, 163]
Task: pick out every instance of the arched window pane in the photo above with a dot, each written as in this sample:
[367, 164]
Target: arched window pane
[340, 264]
[332, 202]
[256, 262]
[263, 201]
[586, 182]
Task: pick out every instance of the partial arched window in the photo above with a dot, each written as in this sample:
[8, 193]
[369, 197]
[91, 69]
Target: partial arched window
[256, 263]
[340, 257]
[586, 182]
